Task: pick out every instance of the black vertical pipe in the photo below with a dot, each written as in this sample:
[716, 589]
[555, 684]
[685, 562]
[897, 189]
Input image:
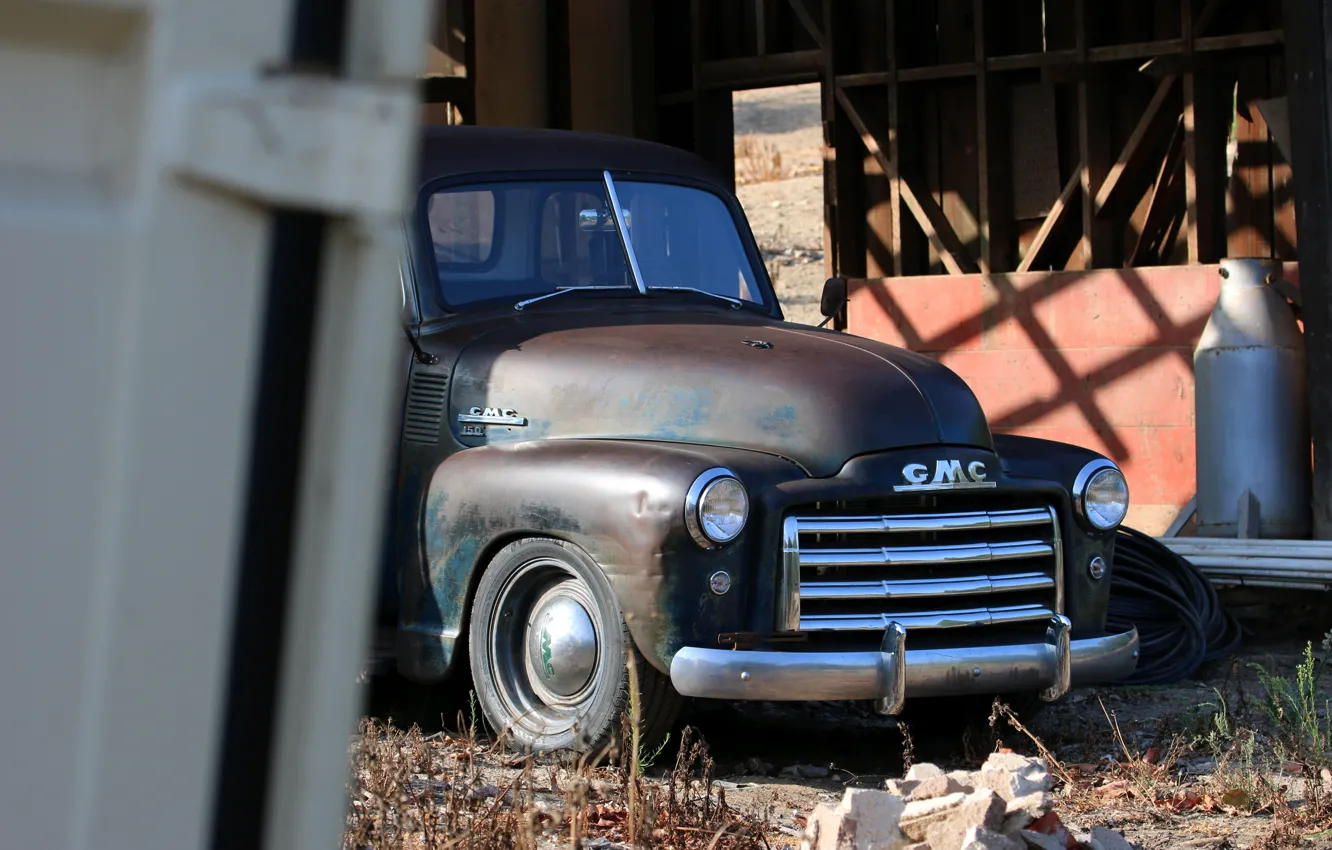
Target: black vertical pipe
[1310, 106]
[259, 616]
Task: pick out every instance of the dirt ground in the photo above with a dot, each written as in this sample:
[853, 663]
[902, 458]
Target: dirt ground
[1198, 763]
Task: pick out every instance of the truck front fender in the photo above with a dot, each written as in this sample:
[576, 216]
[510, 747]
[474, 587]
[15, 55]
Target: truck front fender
[621, 501]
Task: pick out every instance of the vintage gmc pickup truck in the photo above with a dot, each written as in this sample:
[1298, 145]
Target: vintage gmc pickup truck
[612, 445]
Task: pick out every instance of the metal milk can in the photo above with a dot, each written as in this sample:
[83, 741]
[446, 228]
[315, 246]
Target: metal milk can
[1251, 410]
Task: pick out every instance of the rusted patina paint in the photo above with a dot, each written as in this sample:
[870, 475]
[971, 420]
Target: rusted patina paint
[623, 503]
[816, 397]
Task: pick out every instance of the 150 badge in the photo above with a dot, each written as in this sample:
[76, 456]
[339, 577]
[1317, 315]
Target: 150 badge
[475, 420]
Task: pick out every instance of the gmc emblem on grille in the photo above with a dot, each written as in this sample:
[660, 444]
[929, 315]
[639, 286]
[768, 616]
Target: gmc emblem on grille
[948, 475]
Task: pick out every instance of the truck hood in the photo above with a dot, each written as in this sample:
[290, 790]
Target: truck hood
[816, 397]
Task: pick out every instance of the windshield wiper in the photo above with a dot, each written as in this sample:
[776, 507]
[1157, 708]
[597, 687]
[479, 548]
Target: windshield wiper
[735, 303]
[521, 304]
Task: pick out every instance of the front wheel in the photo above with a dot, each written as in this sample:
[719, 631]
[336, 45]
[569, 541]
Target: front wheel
[549, 649]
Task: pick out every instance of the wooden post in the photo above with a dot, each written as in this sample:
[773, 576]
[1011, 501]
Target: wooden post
[828, 100]
[601, 37]
[894, 161]
[714, 122]
[1307, 78]
[511, 86]
[1190, 142]
[1092, 149]
[982, 141]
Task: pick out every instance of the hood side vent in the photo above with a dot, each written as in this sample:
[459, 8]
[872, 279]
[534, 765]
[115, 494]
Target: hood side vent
[425, 407]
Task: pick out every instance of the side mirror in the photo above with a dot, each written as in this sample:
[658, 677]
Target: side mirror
[834, 296]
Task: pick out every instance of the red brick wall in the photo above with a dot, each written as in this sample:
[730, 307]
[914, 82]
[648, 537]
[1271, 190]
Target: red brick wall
[1102, 359]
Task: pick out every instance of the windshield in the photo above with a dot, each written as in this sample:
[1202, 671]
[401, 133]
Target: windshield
[509, 241]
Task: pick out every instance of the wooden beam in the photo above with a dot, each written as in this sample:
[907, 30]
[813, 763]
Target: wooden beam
[511, 86]
[1159, 51]
[1165, 191]
[445, 89]
[987, 260]
[807, 21]
[760, 29]
[1308, 61]
[1092, 149]
[937, 72]
[1131, 154]
[894, 157]
[828, 103]
[1058, 212]
[774, 69]
[1190, 142]
[923, 207]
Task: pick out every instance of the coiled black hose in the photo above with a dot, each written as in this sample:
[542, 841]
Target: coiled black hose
[1181, 624]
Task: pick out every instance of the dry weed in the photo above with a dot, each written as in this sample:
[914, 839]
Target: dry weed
[410, 791]
[757, 161]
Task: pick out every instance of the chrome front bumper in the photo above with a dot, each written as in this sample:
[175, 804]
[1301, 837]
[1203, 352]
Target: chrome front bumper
[894, 673]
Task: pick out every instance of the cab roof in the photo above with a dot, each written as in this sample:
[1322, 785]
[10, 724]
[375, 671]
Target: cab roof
[457, 151]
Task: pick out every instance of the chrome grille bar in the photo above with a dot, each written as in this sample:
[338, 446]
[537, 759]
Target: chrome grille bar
[843, 582]
[915, 588]
[920, 555]
[925, 620]
[970, 521]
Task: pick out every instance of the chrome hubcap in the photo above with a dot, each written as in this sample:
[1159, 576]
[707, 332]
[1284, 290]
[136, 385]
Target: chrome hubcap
[561, 645]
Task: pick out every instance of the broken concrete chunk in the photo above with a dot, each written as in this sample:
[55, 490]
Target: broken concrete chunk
[923, 771]
[1023, 810]
[946, 821]
[935, 786]
[1108, 839]
[865, 819]
[980, 838]
[984, 808]
[925, 808]
[969, 779]
[1013, 784]
[1013, 762]
[1037, 804]
[900, 787]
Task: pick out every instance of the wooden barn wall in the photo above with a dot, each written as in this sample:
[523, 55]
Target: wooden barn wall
[978, 153]
[1034, 192]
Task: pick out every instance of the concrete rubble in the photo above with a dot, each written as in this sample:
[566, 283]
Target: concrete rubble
[1005, 805]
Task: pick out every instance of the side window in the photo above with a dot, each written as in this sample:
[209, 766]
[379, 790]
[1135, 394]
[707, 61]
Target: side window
[463, 228]
[579, 256]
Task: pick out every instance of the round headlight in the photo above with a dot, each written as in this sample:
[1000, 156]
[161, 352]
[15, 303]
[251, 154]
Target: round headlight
[1101, 495]
[716, 507]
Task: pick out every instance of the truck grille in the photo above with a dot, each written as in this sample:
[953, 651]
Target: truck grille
[929, 563]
